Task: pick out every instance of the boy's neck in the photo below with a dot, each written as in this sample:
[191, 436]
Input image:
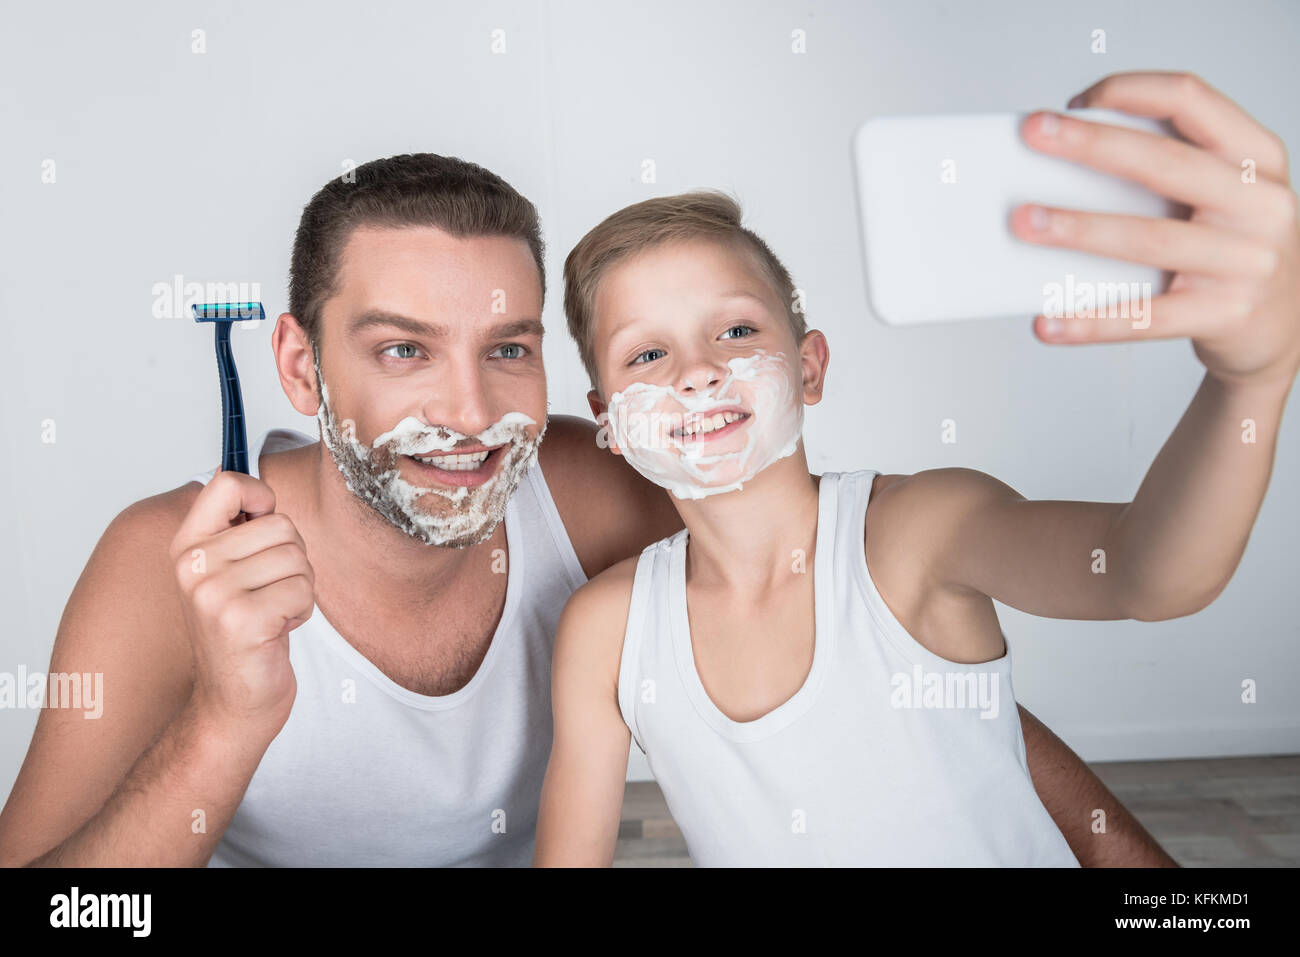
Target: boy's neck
[753, 539]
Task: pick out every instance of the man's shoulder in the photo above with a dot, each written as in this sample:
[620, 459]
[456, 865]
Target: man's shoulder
[570, 437]
[157, 517]
[609, 510]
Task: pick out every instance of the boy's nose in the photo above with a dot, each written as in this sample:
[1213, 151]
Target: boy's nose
[701, 376]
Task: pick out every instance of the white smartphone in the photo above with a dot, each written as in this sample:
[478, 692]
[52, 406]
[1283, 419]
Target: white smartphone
[935, 196]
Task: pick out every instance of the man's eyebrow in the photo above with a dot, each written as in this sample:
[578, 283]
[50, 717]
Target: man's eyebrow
[517, 327]
[433, 330]
[378, 317]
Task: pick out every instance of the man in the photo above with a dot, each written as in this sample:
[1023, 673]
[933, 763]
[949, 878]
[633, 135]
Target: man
[417, 560]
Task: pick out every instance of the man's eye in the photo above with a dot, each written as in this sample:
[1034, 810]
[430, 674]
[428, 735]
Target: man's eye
[649, 352]
[728, 335]
[517, 354]
[402, 345]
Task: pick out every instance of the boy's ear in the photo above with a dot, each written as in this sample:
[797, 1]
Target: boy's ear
[814, 357]
[600, 411]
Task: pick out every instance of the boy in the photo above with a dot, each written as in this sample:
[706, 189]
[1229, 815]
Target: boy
[813, 666]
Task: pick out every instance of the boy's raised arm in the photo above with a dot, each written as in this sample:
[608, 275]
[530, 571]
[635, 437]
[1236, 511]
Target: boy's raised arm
[582, 797]
[1235, 294]
[1166, 554]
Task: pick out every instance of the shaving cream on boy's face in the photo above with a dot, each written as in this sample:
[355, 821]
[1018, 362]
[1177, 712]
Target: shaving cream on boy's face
[698, 444]
[470, 514]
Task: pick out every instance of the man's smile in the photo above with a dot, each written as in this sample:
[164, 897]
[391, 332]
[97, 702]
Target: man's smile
[463, 468]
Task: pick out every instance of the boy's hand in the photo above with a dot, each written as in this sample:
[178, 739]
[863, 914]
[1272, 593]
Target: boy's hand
[1236, 261]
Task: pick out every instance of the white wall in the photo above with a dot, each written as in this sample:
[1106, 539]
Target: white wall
[171, 162]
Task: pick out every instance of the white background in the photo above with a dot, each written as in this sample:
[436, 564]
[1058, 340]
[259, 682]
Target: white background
[171, 162]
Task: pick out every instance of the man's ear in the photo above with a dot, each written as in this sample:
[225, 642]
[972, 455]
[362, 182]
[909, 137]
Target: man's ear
[600, 411]
[294, 360]
[814, 357]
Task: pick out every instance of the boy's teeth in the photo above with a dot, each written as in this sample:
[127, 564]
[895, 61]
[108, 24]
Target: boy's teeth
[712, 423]
[464, 462]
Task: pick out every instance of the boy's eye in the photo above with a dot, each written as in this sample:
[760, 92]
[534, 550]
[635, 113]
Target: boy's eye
[748, 329]
[517, 354]
[648, 352]
[402, 345]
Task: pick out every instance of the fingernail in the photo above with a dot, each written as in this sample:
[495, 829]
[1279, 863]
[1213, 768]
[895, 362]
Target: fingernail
[1053, 326]
[1049, 125]
[1038, 218]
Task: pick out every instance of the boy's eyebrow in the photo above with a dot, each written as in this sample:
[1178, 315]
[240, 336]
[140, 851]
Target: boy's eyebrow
[631, 324]
[433, 330]
[744, 294]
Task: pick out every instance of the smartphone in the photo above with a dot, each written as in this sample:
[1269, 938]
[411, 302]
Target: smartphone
[935, 196]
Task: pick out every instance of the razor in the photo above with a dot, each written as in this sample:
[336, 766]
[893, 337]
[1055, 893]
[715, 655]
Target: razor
[234, 438]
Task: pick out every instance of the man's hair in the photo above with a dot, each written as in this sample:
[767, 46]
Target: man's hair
[414, 189]
[704, 214]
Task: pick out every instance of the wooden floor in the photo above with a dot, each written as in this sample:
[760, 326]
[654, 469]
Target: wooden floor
[1237, 812]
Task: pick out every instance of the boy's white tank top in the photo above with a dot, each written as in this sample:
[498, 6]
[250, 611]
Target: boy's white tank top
[368, 773]
[849, 771]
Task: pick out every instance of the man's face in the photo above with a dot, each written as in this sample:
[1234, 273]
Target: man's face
[698, 366]
[433, 394]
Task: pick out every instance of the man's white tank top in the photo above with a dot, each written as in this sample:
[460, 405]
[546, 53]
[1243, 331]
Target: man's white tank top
[368, 773]
[887, 755]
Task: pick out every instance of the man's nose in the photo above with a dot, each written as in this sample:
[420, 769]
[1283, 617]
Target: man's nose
[460, 402]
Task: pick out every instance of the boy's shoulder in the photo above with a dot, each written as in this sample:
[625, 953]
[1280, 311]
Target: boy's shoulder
[589, 636]
[954, 487]
[605, 597]
[603, 602]
[913, 521]
[921, 508]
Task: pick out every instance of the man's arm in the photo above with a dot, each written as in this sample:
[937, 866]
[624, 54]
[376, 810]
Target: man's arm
[155, 777]
[122, 622]
[1072, 794]
[582, 797]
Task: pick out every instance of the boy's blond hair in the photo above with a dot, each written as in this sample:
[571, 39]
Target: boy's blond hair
[704, 214]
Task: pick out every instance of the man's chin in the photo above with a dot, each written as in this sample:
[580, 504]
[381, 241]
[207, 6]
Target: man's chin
[427, 516]
[469, 540]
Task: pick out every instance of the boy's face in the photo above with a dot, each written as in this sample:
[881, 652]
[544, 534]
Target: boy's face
[431, 379]
[699, 370]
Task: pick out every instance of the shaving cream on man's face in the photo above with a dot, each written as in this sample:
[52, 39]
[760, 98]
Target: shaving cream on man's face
[470, 514]
[703, 443]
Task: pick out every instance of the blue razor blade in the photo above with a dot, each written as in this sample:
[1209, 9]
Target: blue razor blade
[234, 439]
[227, 311]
